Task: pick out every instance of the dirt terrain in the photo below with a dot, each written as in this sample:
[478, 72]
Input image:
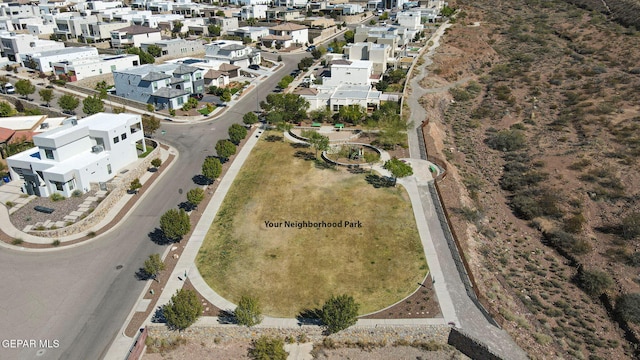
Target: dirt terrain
[541, 136]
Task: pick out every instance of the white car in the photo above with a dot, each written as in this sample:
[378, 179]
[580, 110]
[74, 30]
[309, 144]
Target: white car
[9, 88]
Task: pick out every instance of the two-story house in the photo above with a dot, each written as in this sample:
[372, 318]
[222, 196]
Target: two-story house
[176, 47]
[232, 52]
[133, 35]
[79, 153]
[286, 35]
[100, 31]
[165, 86]
[378, 54]
[12, 45]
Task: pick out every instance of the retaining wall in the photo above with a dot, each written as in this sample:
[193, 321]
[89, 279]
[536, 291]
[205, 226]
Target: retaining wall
[29, 105]
[377, 334]
[470, 346]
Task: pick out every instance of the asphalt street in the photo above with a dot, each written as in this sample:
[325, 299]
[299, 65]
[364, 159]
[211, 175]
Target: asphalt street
[70, 303]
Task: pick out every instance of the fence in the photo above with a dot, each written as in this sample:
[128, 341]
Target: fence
[110, 98]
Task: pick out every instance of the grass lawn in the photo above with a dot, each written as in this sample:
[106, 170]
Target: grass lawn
[290, 269]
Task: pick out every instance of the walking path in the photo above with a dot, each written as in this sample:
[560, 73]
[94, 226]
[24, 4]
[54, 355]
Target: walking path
[470, 318]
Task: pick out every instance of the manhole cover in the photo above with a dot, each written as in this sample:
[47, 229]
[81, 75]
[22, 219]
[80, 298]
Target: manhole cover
[41, 352]
[118, 267]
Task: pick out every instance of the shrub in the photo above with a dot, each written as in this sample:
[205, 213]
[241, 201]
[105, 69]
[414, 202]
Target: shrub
[574, 223]
[634, 259]
[175, 224]
[56, 197]
[628, 307]
[339, 312]
[594, 282]
[237, 133]
[631, 226]
[195, 196]
[266, 348]
[10, 204]
[248, 312]
[250, 118]
[76, 193]
[564, 241]
[17, 241]
[182, 310]
[156, 162]
[506, 140]
[56, 242]
[135, 185]
[153, 265]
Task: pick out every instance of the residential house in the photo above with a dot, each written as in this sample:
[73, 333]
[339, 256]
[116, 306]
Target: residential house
[133, 35]
[284, 14]
[255, 11]
[15, 44]
[42, 60]
[249, 2]
[95, 6]
[349, 72]
[255, 33]
[69, 26]
[410, 19]
[226, 24]
[80, 153]
[176, 47]
[232, 52]
[165, 86]
[378, 54]
[74, 70]
[100, 31]
[291, 3]
[216, 78]
[286, 35]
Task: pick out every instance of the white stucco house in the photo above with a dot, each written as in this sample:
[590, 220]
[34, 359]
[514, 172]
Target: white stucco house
[80, 152]
[232, 52]
[134, 35]
[43, 60]
[78, 69]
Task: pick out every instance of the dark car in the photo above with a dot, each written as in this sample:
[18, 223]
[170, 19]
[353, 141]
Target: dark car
[49, 86]
[254, 67]
[197, 96]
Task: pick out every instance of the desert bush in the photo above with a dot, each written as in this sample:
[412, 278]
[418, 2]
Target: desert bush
[525, 206]
[56, 197]
[568, 242]
[76, 193]
[506, 140]
[631, 226]
[634, 259]
[574, 223]
[248, 312]
[628, 307]
[594, 282]
[266, 348]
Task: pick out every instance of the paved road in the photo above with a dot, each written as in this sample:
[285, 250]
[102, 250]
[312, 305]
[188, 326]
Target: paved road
[80, 297]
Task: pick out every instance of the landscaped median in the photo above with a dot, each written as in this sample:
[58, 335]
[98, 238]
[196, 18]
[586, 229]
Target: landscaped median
[293, 231]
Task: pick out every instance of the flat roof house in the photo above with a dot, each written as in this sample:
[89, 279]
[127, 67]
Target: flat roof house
[134, 35]
[80, 152]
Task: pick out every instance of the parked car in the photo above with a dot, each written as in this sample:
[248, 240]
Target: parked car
[197, 96]
[254, 67]
[311, 48]
[9, 88]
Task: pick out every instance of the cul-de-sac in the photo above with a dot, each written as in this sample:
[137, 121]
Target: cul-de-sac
[319, 179]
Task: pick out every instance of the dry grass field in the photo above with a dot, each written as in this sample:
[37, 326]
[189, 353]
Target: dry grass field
[375, 256]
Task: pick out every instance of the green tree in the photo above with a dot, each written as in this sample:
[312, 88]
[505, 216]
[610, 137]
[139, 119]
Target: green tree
[153, 266]
[92, 105]
[214, 30]
[220, 13]
[349, 36]
[145, 57]
[339, 312]
[628, 306]
[398, 168]
[594, 282]
[447, 11]
[382, 85]
[212, 168]
[150, 124]
[154, 50]
[182, 310]
[252, 21]
[384, 16]
[195, 196]
[317, 140]
[320, 115]
[237, 132]
[177, 27]
[352, 114]
[156, 163]
[631, 226]
[6, 109]
[226, 95]
[248, 311]
[175, 224]
[395, 76]
[285, 81]
[25, 88]
[135, 185]
[225, 148]
[266, 348]
[291, 107]
[46, 95]
[68, 103]
[250, 118]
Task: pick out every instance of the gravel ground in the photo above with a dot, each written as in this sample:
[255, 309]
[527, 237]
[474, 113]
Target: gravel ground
[28, 216]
